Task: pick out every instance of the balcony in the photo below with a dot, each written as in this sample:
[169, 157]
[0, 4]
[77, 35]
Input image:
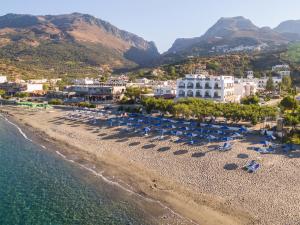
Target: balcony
[190, 86]
[198, 86]
[181, 86]
[217, 87]
[208, 87]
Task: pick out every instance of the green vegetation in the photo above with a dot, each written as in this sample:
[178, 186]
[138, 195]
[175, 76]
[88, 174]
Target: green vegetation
[54, 60]
[86, 105]
[133, 94]
[253, 99]
[2, 93]
[288, 103]
[22, 95]
[56, 101]
[270, 84]
[293, 53]
[199, 108]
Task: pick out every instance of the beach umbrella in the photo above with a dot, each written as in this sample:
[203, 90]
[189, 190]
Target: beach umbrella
[243, 129]
[225, 128]
[186, 128]
[237, 135]
[178, 133]
[146, 130]
[227, 139]
[265, 143]
[211, 137]
[271, 137]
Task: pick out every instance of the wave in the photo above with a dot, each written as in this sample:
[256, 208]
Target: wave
[19, 129]
[105, 179]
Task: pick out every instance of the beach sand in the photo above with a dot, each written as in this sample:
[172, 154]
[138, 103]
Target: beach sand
[199, 183]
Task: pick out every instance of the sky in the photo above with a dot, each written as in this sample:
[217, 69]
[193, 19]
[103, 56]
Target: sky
[162, 21]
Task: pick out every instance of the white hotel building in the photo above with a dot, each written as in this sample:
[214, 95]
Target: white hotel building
[217, 88]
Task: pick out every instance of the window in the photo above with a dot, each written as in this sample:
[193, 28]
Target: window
[181, 93]
[190, 93]
[190, 85]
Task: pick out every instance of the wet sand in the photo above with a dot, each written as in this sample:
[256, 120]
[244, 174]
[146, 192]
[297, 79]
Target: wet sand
[201, 184]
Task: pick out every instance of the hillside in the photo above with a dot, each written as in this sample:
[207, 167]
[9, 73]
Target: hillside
[73, 44]
[289, 26]
[229, 35]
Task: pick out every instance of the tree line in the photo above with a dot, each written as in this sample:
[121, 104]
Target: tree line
[201, 109]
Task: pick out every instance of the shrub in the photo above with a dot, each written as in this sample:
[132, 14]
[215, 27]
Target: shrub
[56, 101]
[86, 104]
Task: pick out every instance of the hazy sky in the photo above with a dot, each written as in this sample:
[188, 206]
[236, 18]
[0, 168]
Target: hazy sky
[162, 21]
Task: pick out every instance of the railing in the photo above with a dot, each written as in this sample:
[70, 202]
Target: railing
[190, 86]
[208, 87]
[199, 87]
[217, 87]
[181, 86]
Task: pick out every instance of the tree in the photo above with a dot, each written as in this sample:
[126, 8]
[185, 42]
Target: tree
[22, 94]
[270, 84]
[286, 83]
[288, 103]
[172, 71]
[249, 100]
[45, 87]
[2, 92]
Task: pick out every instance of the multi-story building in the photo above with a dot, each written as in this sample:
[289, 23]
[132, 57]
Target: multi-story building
[262, 82]
[282, 70]
[218, 88]
[249, 74]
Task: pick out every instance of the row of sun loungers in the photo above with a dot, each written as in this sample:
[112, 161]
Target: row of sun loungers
[180, 131]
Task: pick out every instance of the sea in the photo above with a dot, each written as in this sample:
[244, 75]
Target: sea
[41, 187]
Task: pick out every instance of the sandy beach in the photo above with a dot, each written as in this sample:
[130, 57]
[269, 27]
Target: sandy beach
[201, 184]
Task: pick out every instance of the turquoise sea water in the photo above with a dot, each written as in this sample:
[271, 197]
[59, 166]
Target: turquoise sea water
[39, 187]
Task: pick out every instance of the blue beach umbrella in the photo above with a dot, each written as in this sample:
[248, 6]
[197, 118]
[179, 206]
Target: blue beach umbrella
[243, 129]
[227, 139]
[147, 130]
[265, 143]
[225, 128]
[211, 137]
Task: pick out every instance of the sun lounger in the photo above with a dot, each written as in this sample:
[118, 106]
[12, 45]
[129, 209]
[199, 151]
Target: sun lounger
[226, 147]
[249, 165]
[253, 168]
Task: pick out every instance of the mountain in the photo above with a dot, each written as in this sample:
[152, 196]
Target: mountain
[72, 40]
[235, 34]
[289, 26]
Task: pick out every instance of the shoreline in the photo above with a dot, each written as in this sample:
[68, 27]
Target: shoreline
[64, 153]
[198, 208]
[41, 139]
